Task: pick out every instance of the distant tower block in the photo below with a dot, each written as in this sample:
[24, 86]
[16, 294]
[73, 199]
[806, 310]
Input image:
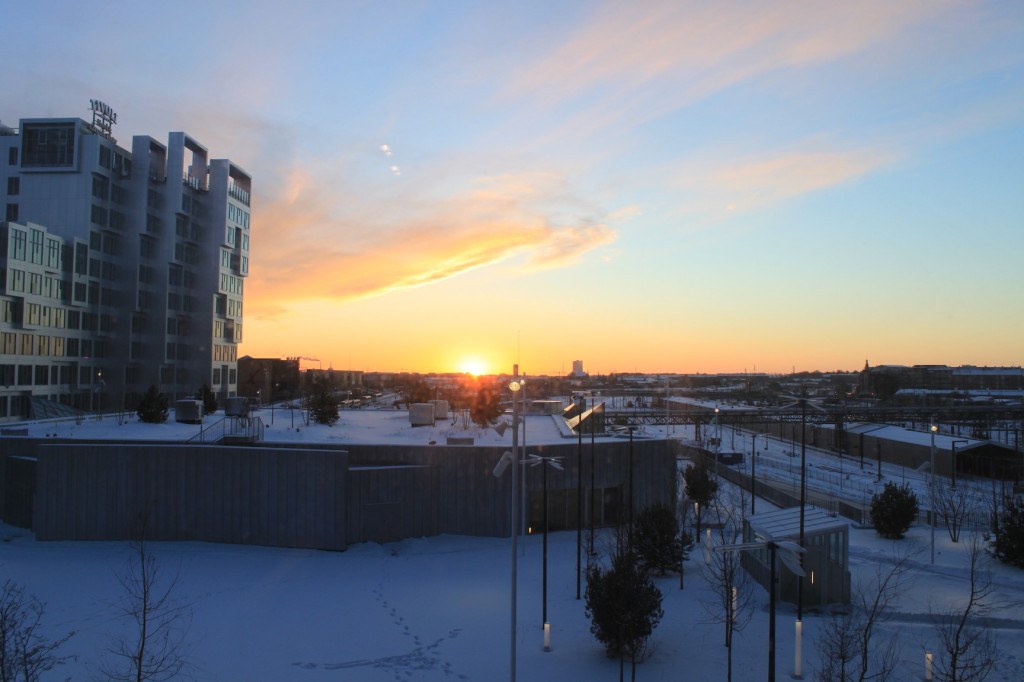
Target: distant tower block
[577, 369]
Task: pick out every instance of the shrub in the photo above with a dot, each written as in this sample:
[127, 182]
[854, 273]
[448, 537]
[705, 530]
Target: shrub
[656, 539]
[1008, 533]
[893, 510]
[323, 403]
[153, 407]
[623, 604]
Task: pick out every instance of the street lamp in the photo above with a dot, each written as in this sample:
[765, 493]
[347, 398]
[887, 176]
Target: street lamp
[753, 471]
[953, 457]
[544, 463]
[931, 487]
[510, 458]
[790, 554]
[579, 488]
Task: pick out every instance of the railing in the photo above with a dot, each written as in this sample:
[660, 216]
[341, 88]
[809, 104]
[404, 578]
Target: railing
[232, 427]
[238, 193]
[195, 183]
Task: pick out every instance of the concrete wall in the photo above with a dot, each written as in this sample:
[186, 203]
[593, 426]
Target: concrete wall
[311, 495]
[280, 497]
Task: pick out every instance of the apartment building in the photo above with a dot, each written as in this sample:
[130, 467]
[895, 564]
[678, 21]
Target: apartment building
[121, 269]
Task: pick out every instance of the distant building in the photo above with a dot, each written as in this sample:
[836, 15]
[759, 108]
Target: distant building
[886, 380]
[577, 369]
[269, 380]
[121, 268]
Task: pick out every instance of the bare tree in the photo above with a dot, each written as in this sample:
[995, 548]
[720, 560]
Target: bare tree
[25, 654]
[846, 648]
[154, 646]
[732, 591]
[967, 648]
[954, 506]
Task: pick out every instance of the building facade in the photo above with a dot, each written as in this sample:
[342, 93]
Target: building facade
[122, 268]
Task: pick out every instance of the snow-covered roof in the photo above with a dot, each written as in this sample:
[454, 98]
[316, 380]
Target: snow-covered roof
[784, 524]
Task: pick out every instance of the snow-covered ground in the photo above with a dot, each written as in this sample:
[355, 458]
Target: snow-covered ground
[439, 608]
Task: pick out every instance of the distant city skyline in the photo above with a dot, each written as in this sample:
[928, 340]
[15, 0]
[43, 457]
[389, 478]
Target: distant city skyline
[659, 187]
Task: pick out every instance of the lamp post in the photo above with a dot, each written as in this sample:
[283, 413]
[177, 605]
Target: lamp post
[514, 387]
[953, 458]
[544, 463]
[718, 440]
[931, 488]
[631, 505]
[753, 471]
[790, 554]
[579, 488]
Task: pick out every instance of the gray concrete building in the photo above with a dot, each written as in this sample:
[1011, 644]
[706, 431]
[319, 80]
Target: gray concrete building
[122, 268]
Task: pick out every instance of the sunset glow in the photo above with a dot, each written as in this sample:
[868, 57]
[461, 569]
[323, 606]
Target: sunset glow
[669, 186]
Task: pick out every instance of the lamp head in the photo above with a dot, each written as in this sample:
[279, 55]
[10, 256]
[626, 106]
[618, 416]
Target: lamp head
[515, 386]
[502, 464]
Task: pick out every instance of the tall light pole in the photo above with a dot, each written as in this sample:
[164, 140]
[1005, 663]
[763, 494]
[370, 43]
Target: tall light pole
[514, 387]
[545, 462]
[579, 489]
[931, 486]
[753, 471]
[790, 554]
[953, 457]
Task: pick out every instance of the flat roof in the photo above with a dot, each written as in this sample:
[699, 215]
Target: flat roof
[784, 524]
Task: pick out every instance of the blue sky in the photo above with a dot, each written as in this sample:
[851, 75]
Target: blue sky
[658, 186]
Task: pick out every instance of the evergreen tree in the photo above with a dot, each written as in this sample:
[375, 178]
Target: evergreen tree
[700, 488]
[209, 399]
[153, 407]
[657, 540]
[624, 606]
[894, 510]
[486, 409]
[1008, 533]
[323, 403]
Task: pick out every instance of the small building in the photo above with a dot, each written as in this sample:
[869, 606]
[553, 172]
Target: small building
[826, 562]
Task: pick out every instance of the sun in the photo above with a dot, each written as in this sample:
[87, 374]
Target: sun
[474, 366]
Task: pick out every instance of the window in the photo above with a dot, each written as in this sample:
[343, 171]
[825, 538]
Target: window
[48, 144]
[12, 156]
[81, 259]
[43, 345]
[18, 280]
[19, 244]
[42, 375]
[105, 156]
[24, 375]
[9, 343]
[32, 314]
[74, 319]
[100, 187]
[8, 310]
[99, 215]
[28, 342]
[12, 212]
[53, 250]
[13, 186]
[35, 244]
[72, 348]
[35, 283]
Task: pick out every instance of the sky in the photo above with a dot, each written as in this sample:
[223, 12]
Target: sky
[654, 186]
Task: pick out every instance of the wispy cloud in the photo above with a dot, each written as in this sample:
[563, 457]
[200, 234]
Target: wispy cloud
[749, 183]
[624, 67]
[318, 252]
